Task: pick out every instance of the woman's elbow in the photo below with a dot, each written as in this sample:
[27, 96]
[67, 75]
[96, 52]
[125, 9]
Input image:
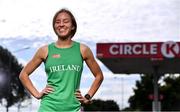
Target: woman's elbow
[100, 77]
[22, 76]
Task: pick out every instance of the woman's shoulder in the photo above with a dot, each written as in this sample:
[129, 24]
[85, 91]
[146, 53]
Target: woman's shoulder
[83, 47]
[43, 51]
[44, 48]
[85, 50]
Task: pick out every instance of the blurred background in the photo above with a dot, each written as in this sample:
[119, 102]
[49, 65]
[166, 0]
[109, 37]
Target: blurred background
[27, 24]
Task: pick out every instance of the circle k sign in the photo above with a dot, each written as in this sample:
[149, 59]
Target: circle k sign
[139, 50]
[170, 49]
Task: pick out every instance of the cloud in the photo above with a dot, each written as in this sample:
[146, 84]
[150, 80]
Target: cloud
[115, 21]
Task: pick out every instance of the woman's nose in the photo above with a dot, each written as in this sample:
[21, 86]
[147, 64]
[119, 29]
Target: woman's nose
[61, 23]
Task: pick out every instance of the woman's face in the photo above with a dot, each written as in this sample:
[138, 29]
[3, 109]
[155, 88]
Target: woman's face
[63, 25]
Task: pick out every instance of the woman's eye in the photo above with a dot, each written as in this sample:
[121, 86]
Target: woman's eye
[66, 21]
[57, 22]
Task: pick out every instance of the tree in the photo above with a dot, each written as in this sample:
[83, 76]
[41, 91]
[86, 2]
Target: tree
[100, 105]
[170, 91]
[140, 100]
[11, 89]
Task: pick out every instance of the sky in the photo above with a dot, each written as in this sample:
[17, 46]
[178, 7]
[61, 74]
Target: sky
[27, 24]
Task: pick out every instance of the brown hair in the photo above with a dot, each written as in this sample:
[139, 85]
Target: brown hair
[72, 20]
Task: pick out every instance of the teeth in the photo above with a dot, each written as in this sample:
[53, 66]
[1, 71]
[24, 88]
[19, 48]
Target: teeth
[62, 30]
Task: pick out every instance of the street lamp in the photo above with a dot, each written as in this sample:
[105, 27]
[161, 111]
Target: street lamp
[22, 49]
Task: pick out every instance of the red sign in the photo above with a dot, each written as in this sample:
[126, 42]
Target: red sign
[152, 97]
[155, 50]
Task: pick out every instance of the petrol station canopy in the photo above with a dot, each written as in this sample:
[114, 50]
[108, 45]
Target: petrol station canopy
[140, 57]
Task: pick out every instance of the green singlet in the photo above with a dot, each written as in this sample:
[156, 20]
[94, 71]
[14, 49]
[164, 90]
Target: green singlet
[63, 67]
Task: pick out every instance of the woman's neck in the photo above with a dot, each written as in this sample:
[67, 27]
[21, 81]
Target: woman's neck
[64, 43]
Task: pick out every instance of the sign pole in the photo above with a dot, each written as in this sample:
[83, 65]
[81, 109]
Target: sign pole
[156, 103]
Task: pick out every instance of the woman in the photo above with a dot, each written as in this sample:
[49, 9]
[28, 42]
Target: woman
[63, 61]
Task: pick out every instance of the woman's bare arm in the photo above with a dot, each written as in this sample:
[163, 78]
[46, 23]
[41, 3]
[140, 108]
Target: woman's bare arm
[32, 65]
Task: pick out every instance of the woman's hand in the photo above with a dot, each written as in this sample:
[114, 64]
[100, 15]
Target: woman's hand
[48, 89]
[81, 98]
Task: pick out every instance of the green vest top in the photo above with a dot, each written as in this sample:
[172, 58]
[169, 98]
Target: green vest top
[63, 67]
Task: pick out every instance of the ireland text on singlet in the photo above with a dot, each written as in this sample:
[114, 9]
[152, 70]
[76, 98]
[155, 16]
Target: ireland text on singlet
[63, 68]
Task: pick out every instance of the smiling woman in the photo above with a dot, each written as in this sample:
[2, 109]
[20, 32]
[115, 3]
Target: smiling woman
[63, 62]
[64, 24]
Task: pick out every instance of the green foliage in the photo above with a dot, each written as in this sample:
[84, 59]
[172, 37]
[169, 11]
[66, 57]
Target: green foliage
[100, 105]
[11, 88]
[170, 90]
[141, 101]
[171, 93]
